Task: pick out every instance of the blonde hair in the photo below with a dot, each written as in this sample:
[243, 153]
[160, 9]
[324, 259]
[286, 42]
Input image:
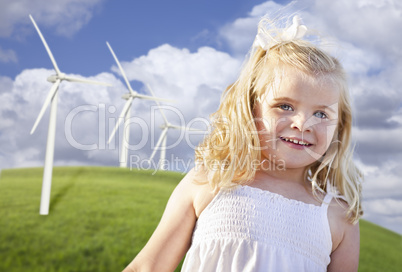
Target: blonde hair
[231, 152]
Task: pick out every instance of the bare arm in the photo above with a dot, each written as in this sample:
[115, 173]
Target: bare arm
[346, 256]
[171, 239]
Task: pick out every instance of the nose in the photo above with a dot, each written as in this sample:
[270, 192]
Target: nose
[301, 122]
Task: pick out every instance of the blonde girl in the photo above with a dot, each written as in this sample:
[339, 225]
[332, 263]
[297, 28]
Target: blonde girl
[274, 187]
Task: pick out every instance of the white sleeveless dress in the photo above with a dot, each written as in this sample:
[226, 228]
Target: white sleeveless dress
[248, 229]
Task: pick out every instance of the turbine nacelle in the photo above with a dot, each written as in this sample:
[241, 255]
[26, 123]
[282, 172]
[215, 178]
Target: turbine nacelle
[54, 78]
[51, 99]
[127, 96]
[125, 113]
[163, 126]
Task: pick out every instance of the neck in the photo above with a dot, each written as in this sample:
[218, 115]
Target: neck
[273, 172]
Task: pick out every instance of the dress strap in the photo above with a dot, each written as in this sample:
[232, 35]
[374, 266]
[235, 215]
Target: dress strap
[327, 200]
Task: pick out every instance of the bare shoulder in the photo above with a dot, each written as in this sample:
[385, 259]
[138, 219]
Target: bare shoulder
[202, 192]
[338, 221]
[172, 238]
[345, 238]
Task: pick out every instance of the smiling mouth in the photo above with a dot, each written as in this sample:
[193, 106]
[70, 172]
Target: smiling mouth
[294, 141]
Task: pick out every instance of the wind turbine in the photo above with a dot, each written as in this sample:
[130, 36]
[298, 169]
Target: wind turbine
[163, 137]
[125, 113]
[52, 99]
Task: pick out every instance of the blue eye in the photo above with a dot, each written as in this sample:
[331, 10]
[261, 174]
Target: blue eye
[285, 107]
[320, 114]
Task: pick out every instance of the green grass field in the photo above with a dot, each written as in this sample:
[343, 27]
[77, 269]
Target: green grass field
[100, 217]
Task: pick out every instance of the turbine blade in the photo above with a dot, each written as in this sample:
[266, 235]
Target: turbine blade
[179, 127]
[153, 98]
[121, 69]
[153, 154]
[157, 103]
[195, 129]
[56, 68]
[83, 80]
[163, 135]
[49, 97]
[121, 118]
[151, 91]
[185, 128]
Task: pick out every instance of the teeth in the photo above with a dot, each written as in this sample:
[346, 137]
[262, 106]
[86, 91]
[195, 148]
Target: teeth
[295, 141]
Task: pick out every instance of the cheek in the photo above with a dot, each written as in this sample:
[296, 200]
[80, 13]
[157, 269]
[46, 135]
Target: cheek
[325, 134]
[266, 131]
[271, 122]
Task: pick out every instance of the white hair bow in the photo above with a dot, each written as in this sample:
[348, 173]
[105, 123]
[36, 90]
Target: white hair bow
[293, 32]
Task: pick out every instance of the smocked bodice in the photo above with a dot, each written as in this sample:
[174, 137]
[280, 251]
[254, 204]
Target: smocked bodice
[249, 229]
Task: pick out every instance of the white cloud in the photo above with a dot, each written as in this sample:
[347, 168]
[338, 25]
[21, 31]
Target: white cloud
[194, 80]
[367, 34]
[392, 222]
[239, 34]
[368, 28]
[8, 55]
[385, 206]
[382, 181]
[382, 199]
[269, 7]
[87, 113]
[356, 60]
[21, 103]
[384, 211]
[366, 23]
[363, 35]
[397, 117]
[382, 141]
[66, 16]
[181, 75]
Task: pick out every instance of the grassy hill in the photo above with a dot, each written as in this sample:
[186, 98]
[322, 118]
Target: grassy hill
[100, 217]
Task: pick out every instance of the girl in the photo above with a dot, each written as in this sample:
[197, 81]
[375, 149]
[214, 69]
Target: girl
[274, 187]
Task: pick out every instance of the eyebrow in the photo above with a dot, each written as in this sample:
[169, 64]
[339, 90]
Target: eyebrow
[294, 102]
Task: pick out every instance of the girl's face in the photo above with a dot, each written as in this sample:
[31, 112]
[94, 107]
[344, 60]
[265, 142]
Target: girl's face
[297, 120]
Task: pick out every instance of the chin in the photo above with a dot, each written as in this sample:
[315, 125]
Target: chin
[290, 161]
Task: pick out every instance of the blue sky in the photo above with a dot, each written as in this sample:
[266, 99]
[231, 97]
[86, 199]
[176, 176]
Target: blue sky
[132, 27]
[189, 51]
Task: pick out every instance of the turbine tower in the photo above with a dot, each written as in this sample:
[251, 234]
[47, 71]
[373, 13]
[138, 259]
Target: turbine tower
[125, 113]
[52, 99]
[163, 137]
